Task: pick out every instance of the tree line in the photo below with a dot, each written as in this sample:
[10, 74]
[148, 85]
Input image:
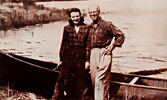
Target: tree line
[32, 1]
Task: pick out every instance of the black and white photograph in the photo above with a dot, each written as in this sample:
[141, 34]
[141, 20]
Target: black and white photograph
[83, 50]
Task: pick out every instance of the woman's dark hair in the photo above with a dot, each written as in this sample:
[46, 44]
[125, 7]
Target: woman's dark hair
[75, 10]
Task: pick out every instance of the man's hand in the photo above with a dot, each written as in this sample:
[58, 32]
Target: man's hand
[111, 48]
[87, 65]
[108, 50]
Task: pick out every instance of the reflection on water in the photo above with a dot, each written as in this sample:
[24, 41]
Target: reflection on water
[145, 28]
[40, 42]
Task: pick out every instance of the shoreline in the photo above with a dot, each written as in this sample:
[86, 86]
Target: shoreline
[16, 16]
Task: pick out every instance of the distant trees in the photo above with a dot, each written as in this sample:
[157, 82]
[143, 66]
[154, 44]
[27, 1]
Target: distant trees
[27, 3]
[55, 0]
[2, 1]
[30, 2]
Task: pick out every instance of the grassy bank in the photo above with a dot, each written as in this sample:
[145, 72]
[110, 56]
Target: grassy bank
[18, 16]
[9, 94]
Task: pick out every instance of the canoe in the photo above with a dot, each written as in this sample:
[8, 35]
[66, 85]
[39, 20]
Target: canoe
[38, 76]
[26, 74]
[137, 87]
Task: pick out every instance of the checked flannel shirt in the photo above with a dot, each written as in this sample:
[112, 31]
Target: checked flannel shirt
[101, 36]
[73, 40]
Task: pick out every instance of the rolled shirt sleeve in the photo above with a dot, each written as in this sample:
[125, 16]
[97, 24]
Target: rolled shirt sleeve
[102, 35]
[118, 34]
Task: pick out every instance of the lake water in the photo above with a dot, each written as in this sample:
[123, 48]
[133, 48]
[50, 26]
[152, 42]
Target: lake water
[142, 21]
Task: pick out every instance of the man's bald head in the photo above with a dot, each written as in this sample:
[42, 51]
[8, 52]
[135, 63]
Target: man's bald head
[94, 12]
[93, 8]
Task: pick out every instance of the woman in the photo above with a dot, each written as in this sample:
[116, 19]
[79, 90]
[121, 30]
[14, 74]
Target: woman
[73, 80]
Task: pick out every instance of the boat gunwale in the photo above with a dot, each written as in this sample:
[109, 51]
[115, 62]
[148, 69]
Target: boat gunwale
[139, 86]
[140, 76]
[9, 55]
[116, 82]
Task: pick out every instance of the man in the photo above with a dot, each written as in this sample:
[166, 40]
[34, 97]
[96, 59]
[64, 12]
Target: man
[100, 50]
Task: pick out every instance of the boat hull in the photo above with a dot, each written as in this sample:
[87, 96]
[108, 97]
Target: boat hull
[144, 88]
[25, 76]
[37, 76]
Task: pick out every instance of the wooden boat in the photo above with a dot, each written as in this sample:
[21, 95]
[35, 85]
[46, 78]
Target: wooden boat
[137, 87]
[27, 74]
[37, 76]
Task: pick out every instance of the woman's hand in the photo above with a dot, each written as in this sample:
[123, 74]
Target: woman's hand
[87, 65]
[58, 66]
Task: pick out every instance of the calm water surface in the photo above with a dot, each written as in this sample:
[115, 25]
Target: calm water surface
[144, 25]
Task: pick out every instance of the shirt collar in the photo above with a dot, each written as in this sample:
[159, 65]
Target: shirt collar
[99, 21]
